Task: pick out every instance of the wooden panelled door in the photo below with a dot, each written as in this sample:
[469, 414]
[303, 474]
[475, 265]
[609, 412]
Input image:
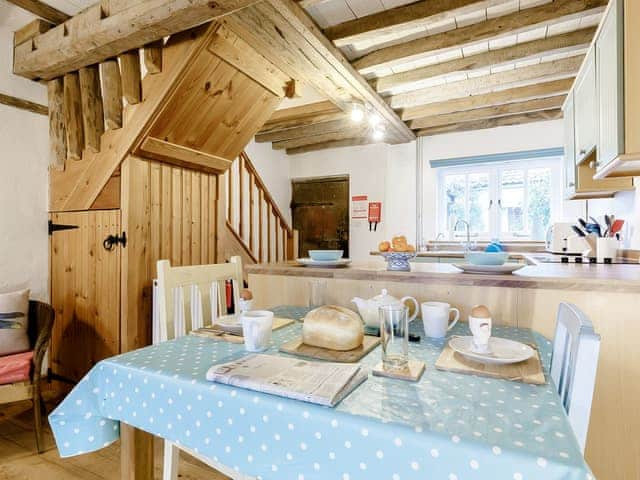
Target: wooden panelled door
[320, 211]
[85, 291]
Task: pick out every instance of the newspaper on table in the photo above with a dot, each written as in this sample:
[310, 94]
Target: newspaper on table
[322, 383]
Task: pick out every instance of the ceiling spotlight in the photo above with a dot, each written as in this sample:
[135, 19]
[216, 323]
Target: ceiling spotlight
[378, 132]
[374, 119]
[357, 112]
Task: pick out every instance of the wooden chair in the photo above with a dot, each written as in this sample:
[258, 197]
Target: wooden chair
[189, 297]
[573, 366]
[41, 317]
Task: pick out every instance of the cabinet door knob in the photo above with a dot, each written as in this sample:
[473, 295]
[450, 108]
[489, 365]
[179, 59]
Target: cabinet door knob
[572, 184]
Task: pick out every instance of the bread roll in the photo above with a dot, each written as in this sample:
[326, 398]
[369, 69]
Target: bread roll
[333, 327]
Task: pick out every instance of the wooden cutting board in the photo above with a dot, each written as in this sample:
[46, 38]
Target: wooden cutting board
[529, 371]
[278, 323]
[296, 347]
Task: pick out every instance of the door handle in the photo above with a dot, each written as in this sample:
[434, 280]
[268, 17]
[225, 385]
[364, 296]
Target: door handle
[113, 240]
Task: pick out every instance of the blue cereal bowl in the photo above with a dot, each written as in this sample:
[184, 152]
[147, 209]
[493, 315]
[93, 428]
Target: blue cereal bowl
[486, 258]
[325, 255]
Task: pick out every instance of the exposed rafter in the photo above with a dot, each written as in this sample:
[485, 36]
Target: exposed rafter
[23, 104]
[549, 103]
[319, 128]
[493, 122]
[518, 94]
[313, 147]
[556, 69]
[518, 22]
[405, 17]
[558, 44]
[99, 33]
[360, 131]
[41, 10]
[284, 34]
[302, 115]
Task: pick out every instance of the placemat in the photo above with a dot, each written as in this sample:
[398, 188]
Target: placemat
[296, 347]
[529, 371]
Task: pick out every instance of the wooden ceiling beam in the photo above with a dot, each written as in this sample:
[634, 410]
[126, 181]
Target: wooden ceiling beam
[556, 69]
[42, 10]
[182, 156]
[360, 131]
[567, 42]
[306, 130]
[23, 104]
[302, 115]
[349, 142]
[498, 27]
[284, 33]
[402, 18]
[111, 28]
[527, 106]
[517, 119]
[529, 92]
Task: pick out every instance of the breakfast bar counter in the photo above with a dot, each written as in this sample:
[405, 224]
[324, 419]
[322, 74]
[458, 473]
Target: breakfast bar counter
[529, 298]
[598, 277]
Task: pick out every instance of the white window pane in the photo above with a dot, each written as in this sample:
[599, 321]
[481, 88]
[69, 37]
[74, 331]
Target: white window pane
[539, 209]
[512, 201]
[455, 191]
[479, 202]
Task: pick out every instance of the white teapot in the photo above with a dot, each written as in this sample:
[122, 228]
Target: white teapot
[368, 309]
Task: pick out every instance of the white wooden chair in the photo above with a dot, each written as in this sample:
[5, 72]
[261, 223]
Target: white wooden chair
[188, 298]
[573, 366]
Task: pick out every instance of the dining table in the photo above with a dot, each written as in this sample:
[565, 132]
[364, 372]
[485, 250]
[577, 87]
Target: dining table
[447, 426]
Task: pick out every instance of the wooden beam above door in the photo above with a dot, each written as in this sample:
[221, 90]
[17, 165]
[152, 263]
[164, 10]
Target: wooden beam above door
[110, 28]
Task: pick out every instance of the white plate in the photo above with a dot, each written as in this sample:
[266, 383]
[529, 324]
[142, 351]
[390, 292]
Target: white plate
[489, 269]
[501, 350]
[308, 262]
[229, 323]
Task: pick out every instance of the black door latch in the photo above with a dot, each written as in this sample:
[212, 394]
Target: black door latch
[112, 240]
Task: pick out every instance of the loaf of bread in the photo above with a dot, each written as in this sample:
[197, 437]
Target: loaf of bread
[333, 327]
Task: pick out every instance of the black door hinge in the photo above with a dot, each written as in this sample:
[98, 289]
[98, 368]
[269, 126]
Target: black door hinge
[57, 227]
[112, 240]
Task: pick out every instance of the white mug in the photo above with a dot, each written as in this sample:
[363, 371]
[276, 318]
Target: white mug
[435, 318]
[481, 331]
[256, 329]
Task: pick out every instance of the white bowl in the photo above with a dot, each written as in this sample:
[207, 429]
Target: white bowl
[325, 255]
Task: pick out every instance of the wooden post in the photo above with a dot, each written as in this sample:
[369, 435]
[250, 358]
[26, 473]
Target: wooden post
[131, 76]
[268, 232]
[251, 213]
[153, 56]
[57, 132]
[92, 112]
[112, 93]
[230, 195]
[260, 227]
[241, 196]
[73, 116]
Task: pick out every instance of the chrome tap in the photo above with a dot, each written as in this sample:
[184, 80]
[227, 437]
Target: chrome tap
[467, 245]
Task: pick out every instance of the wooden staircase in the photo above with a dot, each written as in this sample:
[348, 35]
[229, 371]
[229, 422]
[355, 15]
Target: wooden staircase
[255, 227]
[205, 95]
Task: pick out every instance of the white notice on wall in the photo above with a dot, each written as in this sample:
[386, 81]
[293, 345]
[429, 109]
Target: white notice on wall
[359, 206]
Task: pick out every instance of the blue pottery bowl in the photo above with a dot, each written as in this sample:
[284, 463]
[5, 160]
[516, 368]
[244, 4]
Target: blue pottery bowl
[325, 255]
[486, 258]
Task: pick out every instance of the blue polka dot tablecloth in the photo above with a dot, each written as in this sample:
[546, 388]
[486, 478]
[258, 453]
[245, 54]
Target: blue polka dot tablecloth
[447, 426]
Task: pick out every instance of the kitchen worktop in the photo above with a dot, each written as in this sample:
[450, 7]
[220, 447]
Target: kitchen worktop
[614, 278]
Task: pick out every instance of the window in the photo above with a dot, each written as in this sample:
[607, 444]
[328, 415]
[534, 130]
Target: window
[508, 200]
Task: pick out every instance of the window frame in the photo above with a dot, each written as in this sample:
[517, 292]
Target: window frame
[495, 170]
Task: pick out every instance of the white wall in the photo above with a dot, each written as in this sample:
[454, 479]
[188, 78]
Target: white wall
[366, 167]
[24, 162]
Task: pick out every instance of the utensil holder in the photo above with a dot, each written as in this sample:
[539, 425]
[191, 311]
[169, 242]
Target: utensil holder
[607, 247]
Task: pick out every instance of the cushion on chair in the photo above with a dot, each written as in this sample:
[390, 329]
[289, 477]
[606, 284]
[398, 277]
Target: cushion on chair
[15, 368]
[14, 318]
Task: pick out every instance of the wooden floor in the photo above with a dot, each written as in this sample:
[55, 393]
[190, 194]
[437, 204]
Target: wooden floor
[19, 460]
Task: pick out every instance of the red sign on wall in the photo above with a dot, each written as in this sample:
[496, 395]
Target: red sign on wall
[375, 212]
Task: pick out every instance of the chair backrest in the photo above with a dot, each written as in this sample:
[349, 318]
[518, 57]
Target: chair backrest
[573, 366]
[190, 297]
